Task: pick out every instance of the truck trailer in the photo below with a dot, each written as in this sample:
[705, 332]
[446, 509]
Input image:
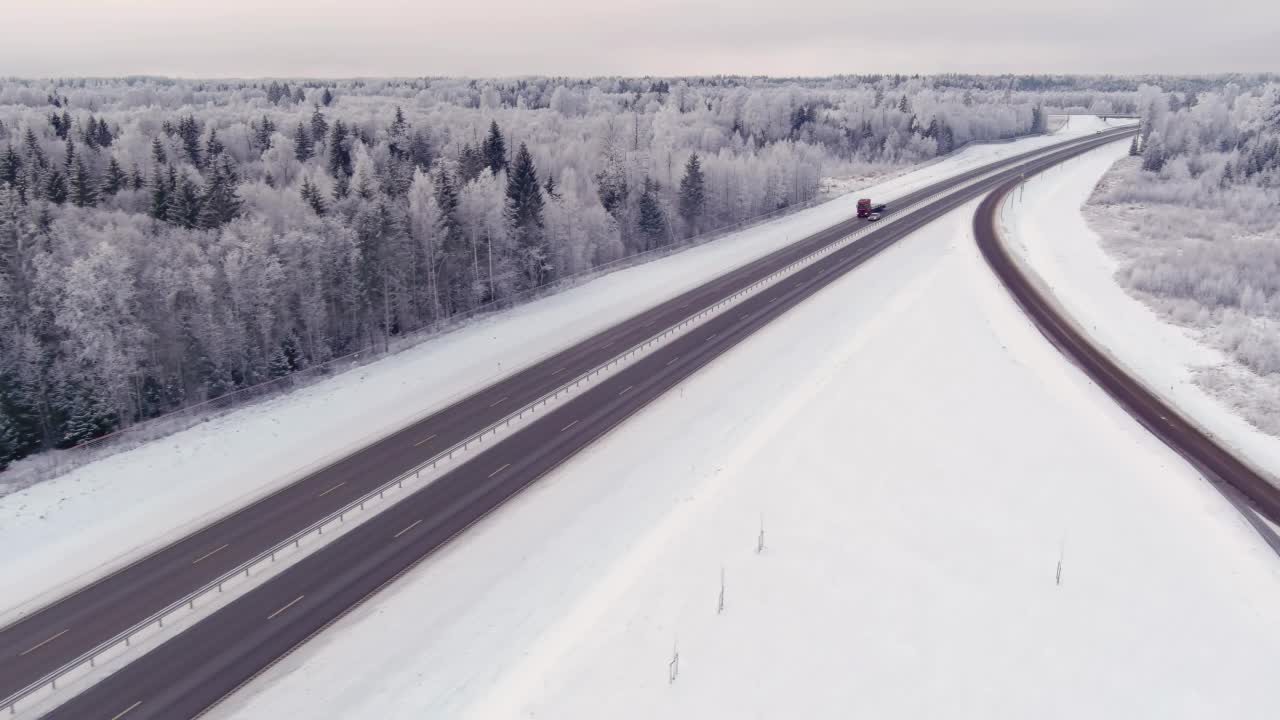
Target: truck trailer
[869, 211]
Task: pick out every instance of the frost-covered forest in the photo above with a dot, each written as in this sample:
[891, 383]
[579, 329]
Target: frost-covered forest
[166, 242]
[1195, 215]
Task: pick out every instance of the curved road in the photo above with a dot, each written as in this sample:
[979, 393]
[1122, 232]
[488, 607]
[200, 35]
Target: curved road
[195, 669]
[44, 640]
[1238, 481]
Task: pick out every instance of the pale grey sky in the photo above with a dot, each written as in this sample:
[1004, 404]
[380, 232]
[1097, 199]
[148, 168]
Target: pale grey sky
[255, 38]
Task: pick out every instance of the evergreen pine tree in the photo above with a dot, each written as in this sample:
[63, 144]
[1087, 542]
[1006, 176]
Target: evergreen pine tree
[339, 151]
[55, 189]
[159, 194]
[136, 180]
[220, 204]
[69, 158]
[84, 188]
[8, 440]
[189, 133]
[158, 155]
[115, 180]
[398, 135]
[103, 135]
[651, 223]
[550, 188]
[495, 149]
[693, 194]
[184, 205]
[1133, 147]
[1153, 154]
[89, 135]
[311, 195]
[35, 153]
[319, 127]
[326, 97]
[302, 144]
[213, 147]
[263, 131]
[471, 163]
[420, 151]
[10, 166]
[524, 216]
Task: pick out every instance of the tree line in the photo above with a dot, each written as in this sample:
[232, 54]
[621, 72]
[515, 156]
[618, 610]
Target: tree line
[167, 242]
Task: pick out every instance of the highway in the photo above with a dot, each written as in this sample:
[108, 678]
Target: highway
[1239, 482]
[193, 670]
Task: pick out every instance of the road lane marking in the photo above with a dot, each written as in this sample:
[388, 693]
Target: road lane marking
[625, 389]
[558, 371]
[36, 647]
[673, 359]
[606, 345]
[498, 401]
[412, 526]
[504, 467]
[126, 711]
[427, 439]
[566, 427]
[211, 552]
[647, 324]
[286, 607]
[335, 487]
[713, 337]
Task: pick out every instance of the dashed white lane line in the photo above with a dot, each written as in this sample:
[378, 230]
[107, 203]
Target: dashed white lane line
[286, 607]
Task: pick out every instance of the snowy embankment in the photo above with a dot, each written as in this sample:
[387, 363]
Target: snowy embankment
[1045, 225]
[923, 464]
[60, 533]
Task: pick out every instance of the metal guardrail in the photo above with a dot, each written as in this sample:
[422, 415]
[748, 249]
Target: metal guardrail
[91, 656]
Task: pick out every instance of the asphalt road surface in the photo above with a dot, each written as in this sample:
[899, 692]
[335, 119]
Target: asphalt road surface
[1239, 482]
[196, 668]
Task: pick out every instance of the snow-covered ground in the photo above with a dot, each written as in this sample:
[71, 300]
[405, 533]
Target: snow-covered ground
[923, 464]
[60, 533]
[1046, 226]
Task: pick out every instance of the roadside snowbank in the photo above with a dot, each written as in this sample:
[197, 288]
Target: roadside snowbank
[922, 461]
[1046, 226]
[63, 532]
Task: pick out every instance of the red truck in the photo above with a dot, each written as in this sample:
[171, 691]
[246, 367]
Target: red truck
[869, 211]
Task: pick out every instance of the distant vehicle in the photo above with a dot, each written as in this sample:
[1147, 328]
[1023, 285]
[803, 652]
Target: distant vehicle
[873, 216]
[866, 209]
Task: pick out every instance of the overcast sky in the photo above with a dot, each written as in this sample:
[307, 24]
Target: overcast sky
[257, 38]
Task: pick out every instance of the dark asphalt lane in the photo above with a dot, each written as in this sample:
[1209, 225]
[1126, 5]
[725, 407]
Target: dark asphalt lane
[46, 639]
[1237, 480]
[193, 670]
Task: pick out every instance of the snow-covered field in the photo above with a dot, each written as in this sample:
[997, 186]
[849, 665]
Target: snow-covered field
[60, 533]
[923, 464]
[1046, 226]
